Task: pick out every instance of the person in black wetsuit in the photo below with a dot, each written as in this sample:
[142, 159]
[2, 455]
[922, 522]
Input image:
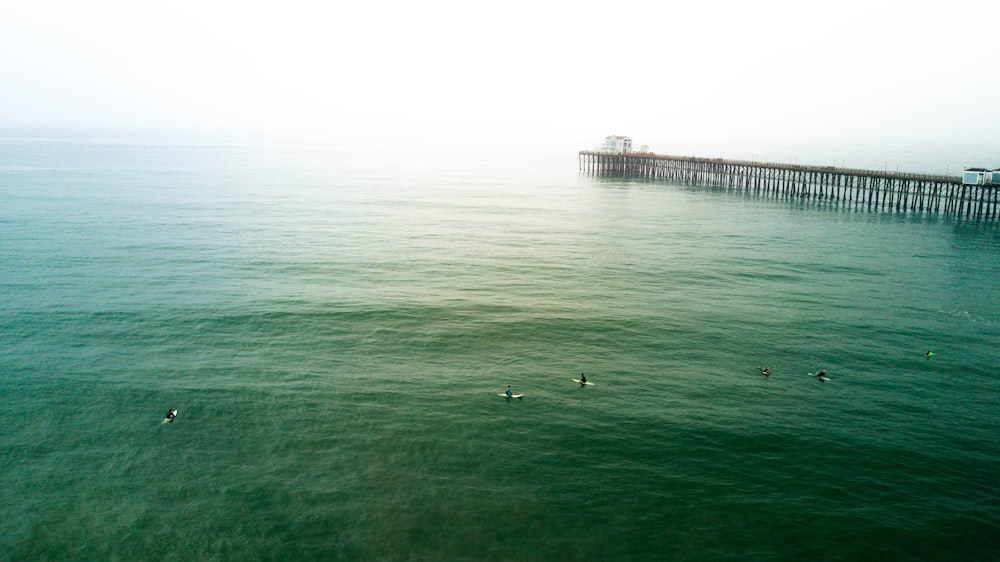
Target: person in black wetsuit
[583, 378]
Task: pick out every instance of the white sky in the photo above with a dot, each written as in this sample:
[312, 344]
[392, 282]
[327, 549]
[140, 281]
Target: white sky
[468, 72]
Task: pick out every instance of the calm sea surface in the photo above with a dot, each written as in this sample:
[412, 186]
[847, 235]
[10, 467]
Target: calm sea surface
[334, 327]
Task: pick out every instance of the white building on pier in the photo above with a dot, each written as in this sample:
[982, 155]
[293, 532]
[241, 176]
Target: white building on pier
[616, 144]
[981, 176]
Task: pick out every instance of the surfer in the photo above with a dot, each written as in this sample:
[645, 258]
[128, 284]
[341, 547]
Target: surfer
[171, 414]
[821, 374]
[510, 394]
[930, 354]
[765, 371]
[583, 378]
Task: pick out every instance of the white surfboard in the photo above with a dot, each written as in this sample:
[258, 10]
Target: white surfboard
[577, 381]
[512, 396]
[824, 378]
[168, 420]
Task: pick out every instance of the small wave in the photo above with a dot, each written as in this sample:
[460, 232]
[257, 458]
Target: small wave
[968, 316]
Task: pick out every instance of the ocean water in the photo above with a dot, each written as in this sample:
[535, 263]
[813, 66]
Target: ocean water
[334, 327]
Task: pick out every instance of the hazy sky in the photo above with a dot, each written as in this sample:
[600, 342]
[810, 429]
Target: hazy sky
[505, 72]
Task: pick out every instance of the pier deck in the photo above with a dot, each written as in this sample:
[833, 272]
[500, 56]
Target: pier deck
[864, 189]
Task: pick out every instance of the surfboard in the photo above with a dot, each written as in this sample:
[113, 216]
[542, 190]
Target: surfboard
[168, 420]
[577, 381]
[514, 396]
[824, 379]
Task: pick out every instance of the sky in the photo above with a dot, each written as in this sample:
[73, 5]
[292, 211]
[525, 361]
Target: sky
[513, 73]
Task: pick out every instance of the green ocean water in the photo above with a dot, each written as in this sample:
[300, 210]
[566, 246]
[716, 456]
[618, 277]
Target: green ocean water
[334, 327]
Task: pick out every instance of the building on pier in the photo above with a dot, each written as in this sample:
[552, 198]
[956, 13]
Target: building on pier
[974, 176]
[981, 176]
[616, 144]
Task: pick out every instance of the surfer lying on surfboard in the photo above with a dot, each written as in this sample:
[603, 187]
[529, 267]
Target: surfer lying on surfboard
[171, 414]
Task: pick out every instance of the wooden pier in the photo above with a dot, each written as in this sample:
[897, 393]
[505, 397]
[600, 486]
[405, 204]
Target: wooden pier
[861, 189]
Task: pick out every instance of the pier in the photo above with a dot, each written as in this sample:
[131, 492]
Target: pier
[860, 189]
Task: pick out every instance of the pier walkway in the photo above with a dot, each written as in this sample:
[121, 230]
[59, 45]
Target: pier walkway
[863, 189]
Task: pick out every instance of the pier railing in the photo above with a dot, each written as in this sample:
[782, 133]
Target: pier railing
[872, 190]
